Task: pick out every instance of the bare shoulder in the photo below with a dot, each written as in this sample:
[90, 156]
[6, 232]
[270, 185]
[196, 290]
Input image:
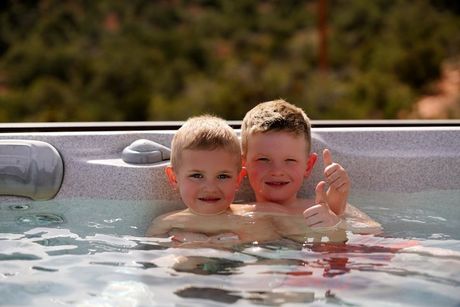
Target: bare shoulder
[179, 214]
[165, 222]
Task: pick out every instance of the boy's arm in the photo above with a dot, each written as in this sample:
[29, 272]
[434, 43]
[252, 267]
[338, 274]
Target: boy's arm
[161, 225]
[183, 236]
[339, 184]
[172, 224]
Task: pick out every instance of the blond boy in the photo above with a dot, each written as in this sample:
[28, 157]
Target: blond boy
[276, 144]
[206, 171]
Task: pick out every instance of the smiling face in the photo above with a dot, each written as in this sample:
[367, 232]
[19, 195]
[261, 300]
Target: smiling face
[207, 180]
[277, 163]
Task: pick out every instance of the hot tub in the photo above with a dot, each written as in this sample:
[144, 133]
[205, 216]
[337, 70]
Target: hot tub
[77, 238]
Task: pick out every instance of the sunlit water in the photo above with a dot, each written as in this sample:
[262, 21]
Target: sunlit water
[91, 253]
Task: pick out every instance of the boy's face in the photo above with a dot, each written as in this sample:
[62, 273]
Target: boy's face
[206, 179]
[277, 163]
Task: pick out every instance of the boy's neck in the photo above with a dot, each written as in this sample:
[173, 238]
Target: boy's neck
[295, 205]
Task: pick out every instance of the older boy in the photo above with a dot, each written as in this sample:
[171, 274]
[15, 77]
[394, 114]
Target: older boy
[276, 143]
[206, 170]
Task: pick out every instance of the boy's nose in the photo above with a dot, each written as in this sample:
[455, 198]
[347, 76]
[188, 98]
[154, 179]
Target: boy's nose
[276, 169]
[210, 185]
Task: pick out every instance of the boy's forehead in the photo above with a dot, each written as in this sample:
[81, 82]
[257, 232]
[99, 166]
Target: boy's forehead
[208, 151]
[275, 135]
[221, 154]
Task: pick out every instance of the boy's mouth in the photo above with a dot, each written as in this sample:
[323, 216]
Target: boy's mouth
[276, 183]
[209, 199]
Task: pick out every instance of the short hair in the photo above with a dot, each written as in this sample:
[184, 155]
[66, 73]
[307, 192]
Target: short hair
[205, 132]
[276, 115]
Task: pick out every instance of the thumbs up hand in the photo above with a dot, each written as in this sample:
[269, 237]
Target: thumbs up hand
[338, 181]
[320, 215]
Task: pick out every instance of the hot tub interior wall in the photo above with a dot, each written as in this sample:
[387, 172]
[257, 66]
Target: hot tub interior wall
[378, 159]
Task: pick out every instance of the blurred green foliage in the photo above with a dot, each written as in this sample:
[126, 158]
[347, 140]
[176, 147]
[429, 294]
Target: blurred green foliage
[167, 60]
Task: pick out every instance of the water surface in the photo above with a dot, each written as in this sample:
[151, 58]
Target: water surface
[92, 253]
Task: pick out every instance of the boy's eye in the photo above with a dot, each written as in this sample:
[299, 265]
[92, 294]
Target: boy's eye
[196, 175]
[223, 176]
[262, 159]
[291, 160]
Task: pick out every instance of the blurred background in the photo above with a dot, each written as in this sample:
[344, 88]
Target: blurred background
[142, 60]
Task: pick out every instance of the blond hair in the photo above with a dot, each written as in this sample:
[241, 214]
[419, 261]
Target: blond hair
[276, 115]
[205, 132]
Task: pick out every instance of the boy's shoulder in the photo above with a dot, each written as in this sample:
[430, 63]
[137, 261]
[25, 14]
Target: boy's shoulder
[163, 223]
[189, 221]
[186, 217]
[174, 214]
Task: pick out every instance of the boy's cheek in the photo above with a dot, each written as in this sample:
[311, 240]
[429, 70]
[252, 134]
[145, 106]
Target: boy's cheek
[251, 166]
[251, 172]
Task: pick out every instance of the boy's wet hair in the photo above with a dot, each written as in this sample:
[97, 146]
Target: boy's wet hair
[205, 132]
[276, 115]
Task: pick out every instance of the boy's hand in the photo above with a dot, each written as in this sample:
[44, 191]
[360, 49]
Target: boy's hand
[224, 237]
[320, 215]
[338, 181]
[188, 237]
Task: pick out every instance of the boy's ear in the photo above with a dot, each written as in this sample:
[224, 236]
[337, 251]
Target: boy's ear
[310, 164]
[171, 176]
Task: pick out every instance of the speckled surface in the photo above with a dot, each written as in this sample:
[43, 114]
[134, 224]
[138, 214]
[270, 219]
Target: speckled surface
[378, 159]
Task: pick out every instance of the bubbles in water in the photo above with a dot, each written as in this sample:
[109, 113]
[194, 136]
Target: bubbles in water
[41, 219]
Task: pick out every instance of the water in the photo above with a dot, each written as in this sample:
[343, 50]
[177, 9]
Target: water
[423, 215]
[92, 253]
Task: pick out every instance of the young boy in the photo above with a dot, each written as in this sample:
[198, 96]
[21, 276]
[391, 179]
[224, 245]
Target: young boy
[206, 170]
[276, 143]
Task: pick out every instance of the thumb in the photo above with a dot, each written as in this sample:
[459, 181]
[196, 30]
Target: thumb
[327, 157]
[320, 192]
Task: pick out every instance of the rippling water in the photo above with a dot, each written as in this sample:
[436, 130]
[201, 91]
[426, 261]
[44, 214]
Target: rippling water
[91, 253]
